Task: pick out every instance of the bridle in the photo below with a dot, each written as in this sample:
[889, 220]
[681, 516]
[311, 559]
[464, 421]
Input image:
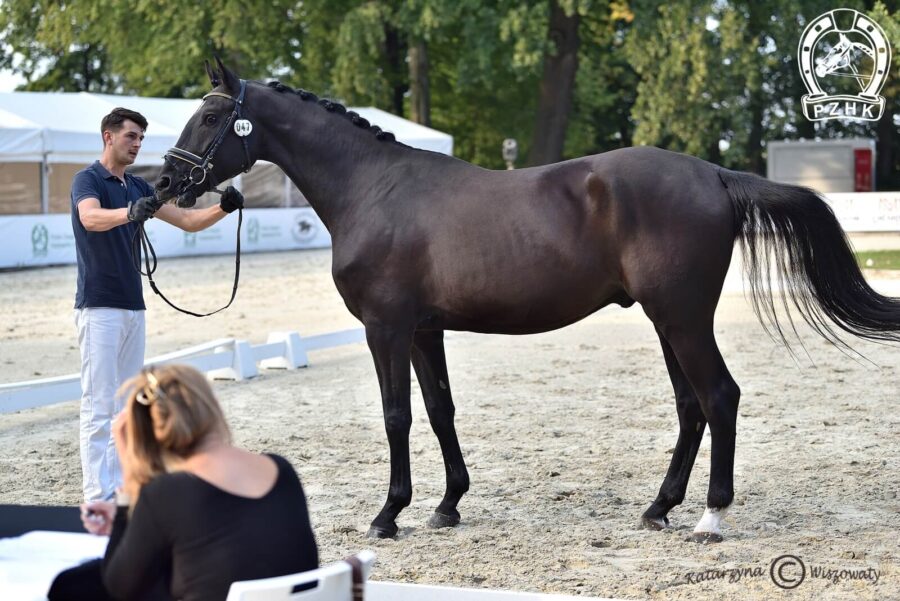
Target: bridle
[201, 171]
[202, 166]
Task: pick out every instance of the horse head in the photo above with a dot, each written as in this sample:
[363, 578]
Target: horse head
[836, 58]
[216, 142]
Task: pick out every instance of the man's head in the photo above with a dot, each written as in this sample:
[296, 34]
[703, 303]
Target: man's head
[122, 131]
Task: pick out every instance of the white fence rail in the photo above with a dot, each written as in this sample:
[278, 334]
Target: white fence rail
[224, 359]
[395, 591]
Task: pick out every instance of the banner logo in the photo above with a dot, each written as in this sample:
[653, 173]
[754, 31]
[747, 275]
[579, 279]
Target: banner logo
[304, 229]
[851, 63]
[253, 230]
[40, 240]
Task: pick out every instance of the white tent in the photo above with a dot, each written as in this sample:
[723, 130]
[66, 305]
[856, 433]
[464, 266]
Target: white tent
[64, 129]
[68, 125]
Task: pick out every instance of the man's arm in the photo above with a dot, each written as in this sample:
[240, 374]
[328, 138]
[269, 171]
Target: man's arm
[94, 218]
[194, 220]
[190, 220]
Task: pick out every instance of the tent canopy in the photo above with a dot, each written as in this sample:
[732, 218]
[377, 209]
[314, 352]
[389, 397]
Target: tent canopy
[66, 126]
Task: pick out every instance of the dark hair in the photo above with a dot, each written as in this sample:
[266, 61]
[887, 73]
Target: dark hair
[113, 121]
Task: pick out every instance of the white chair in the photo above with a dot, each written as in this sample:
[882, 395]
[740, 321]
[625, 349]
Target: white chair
[333, 582]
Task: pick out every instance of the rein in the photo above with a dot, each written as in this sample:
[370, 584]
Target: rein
[201, 169]
[141, 240]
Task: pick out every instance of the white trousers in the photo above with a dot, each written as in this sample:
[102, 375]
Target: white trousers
[112, 351]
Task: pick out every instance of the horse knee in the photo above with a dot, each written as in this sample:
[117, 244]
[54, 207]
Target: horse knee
[397, 422]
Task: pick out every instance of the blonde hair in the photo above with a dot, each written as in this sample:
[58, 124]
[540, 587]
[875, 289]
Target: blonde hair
[170, 410]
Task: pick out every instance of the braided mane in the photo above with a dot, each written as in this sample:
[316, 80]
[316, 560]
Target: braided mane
[335, 107]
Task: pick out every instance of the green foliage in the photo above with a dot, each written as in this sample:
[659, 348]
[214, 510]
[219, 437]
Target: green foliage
[879, 259]
[714, 78]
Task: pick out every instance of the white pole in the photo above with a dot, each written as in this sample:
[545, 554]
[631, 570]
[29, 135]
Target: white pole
[45, 186]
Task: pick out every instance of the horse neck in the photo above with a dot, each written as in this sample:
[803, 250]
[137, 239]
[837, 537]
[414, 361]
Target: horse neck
[330, 160]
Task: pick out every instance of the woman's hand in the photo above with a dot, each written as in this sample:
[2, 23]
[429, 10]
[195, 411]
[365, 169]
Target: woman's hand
[97, 517]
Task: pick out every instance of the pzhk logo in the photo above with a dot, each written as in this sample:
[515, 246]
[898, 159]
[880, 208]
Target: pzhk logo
[40, 240]
[851, 63]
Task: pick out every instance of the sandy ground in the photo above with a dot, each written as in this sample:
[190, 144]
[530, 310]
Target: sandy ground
[567, 436]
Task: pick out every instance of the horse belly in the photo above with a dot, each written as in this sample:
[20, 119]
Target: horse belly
[526, 304]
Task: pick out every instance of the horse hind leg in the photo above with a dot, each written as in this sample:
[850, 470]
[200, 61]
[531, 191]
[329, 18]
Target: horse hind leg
[430, 364]
[698, 355]
[692, 423]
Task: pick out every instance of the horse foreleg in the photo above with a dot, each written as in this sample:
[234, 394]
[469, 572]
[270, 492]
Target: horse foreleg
[430, 364]
[691, 424]
[390, 349]
[699, 358]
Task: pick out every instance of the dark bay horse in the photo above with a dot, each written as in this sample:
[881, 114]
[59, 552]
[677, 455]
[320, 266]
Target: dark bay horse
[424, 243]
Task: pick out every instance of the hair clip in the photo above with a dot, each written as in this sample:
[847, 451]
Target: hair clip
[143, 397]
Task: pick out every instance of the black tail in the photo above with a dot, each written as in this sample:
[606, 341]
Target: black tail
[791, 231]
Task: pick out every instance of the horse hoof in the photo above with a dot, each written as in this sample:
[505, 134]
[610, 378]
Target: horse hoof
[705, 538]
[442, 520]
[381, 532]
[655, 523]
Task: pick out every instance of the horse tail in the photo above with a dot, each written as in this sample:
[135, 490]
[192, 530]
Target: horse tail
[790, 231]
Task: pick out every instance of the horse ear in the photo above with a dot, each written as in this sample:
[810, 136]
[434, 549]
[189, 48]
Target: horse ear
[214, 78]
[232, 83]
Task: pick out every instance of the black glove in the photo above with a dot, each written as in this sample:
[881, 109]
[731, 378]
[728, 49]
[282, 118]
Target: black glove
[231, 200]
[142, 209]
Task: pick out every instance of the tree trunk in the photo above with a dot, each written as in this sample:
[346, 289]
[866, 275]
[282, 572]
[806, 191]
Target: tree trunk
[419, 87]
[557, 87]
[755, 161]
[396, 57]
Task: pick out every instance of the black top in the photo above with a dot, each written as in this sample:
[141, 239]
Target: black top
[200, 538]
[106, 273]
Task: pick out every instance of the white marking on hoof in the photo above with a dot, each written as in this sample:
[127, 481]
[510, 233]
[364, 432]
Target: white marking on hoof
[711, 521]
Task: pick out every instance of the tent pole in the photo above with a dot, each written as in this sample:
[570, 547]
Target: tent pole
[45, 186]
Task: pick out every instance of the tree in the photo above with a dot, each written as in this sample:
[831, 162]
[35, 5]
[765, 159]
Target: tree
[153, 49]
[557, 85]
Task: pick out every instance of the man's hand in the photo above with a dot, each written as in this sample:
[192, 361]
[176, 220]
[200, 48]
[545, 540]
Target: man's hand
[231, 200]
[142, 209]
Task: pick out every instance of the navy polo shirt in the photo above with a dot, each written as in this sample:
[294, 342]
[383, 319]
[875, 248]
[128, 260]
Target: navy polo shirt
[106, 273]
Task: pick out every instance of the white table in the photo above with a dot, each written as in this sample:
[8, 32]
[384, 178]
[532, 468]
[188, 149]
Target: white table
[29, 563]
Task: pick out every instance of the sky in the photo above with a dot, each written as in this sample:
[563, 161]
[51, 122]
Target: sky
[9, 81]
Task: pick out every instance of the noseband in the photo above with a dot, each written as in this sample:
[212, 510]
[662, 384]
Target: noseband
[202, 166]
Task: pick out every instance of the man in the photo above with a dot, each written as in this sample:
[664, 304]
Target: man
[107, 206]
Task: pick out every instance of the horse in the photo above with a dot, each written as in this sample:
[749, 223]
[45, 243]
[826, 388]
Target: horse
[423, 243]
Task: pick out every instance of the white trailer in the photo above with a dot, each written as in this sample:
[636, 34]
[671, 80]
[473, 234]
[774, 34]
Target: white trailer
[846, 165]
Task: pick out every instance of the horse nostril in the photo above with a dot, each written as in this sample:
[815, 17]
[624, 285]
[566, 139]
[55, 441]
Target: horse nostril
[163, 183]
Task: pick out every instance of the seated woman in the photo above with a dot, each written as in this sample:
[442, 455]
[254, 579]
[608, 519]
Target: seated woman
[196, 513]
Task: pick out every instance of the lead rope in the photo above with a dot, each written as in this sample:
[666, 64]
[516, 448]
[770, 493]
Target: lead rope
[141, 240]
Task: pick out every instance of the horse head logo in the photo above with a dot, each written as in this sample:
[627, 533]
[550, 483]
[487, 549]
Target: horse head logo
[304, 229]
[40, 240]
[861, 53]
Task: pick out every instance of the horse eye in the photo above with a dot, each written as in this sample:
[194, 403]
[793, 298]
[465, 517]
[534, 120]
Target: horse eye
[211, 119]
